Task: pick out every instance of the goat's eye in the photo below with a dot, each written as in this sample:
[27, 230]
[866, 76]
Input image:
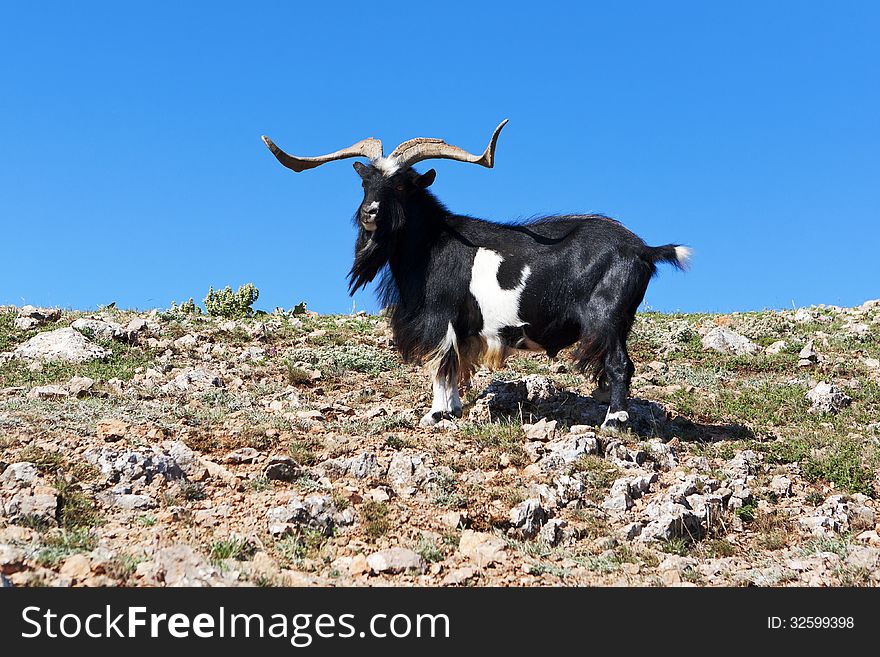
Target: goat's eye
[401, 188]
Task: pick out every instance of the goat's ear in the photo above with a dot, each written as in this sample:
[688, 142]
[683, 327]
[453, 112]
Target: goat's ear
[360, 167]
[426, 179]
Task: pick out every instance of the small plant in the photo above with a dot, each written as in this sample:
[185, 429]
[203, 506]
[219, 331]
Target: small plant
[675, 545]
[297, 375]
[57, 547]
[258, 483]
[746, 512]
[396, 442]
[185, 308]
[375, 518]
[231, 548]
[193, 491]
[232, 305]
[428, 549]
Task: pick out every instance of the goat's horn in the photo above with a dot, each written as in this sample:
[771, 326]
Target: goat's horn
[416, 150]
[369, 148]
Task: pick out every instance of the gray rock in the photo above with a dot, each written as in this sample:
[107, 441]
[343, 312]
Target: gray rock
[180, 565]
[663, 454]
[281, 468]
[193, 379]
[18, 475]
[776, 348]
[668, 519]
[51, 391]
[62, 345]
[11, 559]
[137, 465]
[781, 486]
[315, 511]
[100, 328]
[128, 501]
[29, 317]
[39, 502]
[409, 473]
[827, 398]
[565, 451]
[242, 455]
[726, 341]
[396, 560]
[630, 531]
[552, 533]
[528, 517]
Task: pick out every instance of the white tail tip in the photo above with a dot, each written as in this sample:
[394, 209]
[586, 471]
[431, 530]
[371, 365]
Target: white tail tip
[683, 255]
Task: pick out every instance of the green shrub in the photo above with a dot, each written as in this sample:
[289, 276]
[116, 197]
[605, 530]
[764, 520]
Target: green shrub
[232, 305]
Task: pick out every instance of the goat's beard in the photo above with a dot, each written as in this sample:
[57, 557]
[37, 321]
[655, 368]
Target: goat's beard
[372, 249]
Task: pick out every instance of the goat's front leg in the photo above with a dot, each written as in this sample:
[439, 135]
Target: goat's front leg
[444, 369]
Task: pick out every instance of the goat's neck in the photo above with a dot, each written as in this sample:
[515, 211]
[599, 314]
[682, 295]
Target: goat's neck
[409, 259]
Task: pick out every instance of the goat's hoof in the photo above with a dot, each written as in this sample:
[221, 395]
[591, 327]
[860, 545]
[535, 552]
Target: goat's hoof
[433, 417]
[616, 422]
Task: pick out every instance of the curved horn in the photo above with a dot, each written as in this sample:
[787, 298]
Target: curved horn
[416, 150]
[369, 148]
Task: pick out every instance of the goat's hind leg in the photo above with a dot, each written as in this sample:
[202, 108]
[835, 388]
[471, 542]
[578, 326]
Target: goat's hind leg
[444, 368]
[619, 370]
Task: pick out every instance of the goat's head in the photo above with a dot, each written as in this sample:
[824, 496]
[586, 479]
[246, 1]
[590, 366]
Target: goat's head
[390, 181]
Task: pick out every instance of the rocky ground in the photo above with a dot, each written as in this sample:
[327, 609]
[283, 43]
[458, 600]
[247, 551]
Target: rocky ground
[174, 449]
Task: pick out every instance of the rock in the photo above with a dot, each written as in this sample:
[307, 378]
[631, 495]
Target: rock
[137, 325]
[135, 465]
[111, 430]
[618, 499]
[281, 468]
[410, 472]
[565, 451]
[663, 454]
[726, 341]
[553, 532]
[39, 503]
[776, 348]
[870, 537]
[127, 501]
[62, 345]
[11, 559]
[78, 567]
[315, 511]
[178, 566]
[540, 430]
[396, 560]
[358, 565]
[242, 455]
[745, 463]
[193, 379]
[29, 317]
[20, 474]
[459, 576]
[630, 531]
[482, 548]
[186, 342]
[100, 328]
[79, 386]
[668, 519]
[506, 399]
[827, 398]
[781, 486]
[51, 391]
[808, 355]
[804, 316]
[362, 466]
[528, 517]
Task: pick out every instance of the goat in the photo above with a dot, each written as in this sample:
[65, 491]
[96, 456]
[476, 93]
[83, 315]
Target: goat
[463, 291]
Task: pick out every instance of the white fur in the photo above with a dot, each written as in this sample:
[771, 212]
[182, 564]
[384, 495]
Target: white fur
[446, 398]
[499, 307]
[373, 207]
[387, 165]
[683, 255]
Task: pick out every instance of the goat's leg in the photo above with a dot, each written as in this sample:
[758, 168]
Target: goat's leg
[444, 368]
[619, 370]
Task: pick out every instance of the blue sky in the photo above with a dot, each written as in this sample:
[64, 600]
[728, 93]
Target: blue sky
[132, 168]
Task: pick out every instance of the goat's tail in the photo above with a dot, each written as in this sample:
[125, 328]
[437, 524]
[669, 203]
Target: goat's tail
[675, 254]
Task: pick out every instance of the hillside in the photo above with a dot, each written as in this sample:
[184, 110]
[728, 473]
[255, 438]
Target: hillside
[169, 448]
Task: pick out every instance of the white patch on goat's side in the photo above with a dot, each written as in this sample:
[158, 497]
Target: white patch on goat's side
[499, 307]
[683, 255]
[387, 165]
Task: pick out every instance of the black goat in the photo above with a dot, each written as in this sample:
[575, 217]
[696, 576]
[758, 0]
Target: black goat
[465, 291]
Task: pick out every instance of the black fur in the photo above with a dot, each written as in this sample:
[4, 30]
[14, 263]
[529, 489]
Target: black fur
[588, 276]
